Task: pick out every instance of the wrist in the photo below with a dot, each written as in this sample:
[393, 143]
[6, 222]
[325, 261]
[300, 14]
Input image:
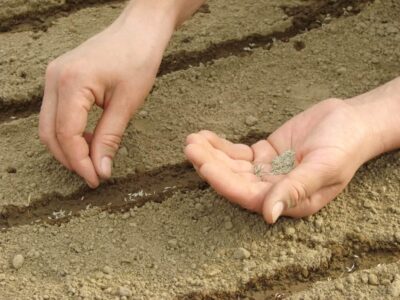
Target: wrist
[380, 111]
[150, 21]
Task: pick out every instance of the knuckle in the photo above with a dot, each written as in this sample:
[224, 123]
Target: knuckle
[111, 141]
[67, 75]
[297, 192]
[62, 134]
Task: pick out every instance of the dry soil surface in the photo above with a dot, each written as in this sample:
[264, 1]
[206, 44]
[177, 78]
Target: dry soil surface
[156, 231]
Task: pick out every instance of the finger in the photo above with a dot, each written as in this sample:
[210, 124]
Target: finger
[233, 187]
[263, 152]
[47, 118]
[295, 189]
[110, 129]
[72, 113]
[199, 154]
[234, 151]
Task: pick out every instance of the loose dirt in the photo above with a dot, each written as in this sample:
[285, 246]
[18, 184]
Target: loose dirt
[156, 231]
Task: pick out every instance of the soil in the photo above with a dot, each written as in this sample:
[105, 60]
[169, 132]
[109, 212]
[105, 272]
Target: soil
[156, 231]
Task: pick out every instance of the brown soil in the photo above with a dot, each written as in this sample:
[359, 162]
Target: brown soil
[155, 231]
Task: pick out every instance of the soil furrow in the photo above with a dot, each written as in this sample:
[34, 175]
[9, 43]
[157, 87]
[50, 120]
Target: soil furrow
[295, 279]
[131, 191]
[126, 193]
[42, 18]
[304, 18]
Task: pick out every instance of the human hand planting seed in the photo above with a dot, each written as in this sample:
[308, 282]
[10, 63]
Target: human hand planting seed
[331, 140]
[114, 70]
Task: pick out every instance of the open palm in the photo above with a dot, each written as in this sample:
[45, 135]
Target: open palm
[328, 141]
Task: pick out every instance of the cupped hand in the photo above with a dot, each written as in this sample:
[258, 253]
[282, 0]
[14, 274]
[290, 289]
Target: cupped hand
[114, 70]
[331, 141]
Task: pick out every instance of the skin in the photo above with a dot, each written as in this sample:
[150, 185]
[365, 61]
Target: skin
[114, 70]
[332, 139]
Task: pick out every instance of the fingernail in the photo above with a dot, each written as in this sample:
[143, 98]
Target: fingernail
[277, 210]
[90, 185]
[106, 165]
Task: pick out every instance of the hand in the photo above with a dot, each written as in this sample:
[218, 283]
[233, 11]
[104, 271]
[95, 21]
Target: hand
[331, 141]
[114, 70]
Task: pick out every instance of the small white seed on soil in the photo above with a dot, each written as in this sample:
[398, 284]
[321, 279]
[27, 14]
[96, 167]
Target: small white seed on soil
[251, 121]
[18, 261]
[241, 253]
[123, 291]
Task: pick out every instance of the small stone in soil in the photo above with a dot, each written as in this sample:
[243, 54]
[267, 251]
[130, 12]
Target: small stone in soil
[290, 231]
[18, 261]
[123, 151]
[124, 291]
[241, 253]
[373, 279]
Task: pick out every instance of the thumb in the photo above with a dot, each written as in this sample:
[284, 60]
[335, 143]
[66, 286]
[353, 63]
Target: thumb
[109, 131]
[292, 195]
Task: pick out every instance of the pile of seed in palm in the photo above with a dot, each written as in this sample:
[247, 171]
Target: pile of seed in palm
[283, 163]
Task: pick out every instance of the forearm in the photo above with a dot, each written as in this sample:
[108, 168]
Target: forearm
[154, 20]
[168, 13]
[380, 109]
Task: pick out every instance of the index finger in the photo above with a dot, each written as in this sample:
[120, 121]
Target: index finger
[72, 115]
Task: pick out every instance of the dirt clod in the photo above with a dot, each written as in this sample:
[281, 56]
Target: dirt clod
[228, 225]
[251, 121]
[107, 270]
[373, 279]
[17, 261]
